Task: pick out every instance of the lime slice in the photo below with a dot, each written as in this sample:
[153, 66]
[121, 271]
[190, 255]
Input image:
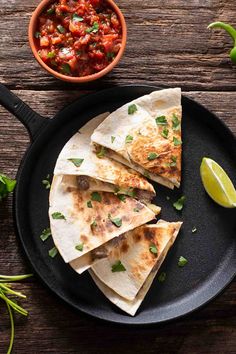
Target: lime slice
[217, 183]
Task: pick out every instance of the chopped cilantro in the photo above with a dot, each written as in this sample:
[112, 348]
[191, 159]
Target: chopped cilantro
[175, 122]
[146, 174]
[46, 233]
[53, 252]
[65, 68]
[94, 224]
[80, 247]
[182, 261]
[132, 109]
[77, 18]
[93, 29]
[89, 204]
[57, 216]
[46, 182]
[136, 210]
[7, 185]
[153, 248]
[61, 29]
[165, 133]
[110, 55]
[131, 192]
[118, 267]
[152, 156]
[37, 35]
[102, 152]
[116, 221]
[51, 11]
[173, 161]
[162, 277]
[179, 204]
[112, 139]
[161, 120]
[95, 196]
[76, 162]
[128, 139]
[176, 141]
[51, 55]
[122, 197]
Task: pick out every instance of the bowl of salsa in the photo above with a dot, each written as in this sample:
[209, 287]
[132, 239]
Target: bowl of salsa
[77, 40]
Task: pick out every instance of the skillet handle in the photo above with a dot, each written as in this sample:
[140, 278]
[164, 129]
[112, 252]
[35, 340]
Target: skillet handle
[31, 120]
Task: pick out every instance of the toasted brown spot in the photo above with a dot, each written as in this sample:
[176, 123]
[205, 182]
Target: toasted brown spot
[150, 234]
[124, 247]
[84, 238]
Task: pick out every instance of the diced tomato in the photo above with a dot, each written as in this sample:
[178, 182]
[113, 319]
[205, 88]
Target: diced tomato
[44, 41]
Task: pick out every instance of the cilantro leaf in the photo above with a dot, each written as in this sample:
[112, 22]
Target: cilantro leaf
[165, 133]
[132, 109]
[76, 162]
[102, 152]
[37, 35]
[175, 122]
[176, 141]
[77, 18]
[162, 277]
[93, 29]
[46, 233]
[53, 252]
[80, 247]
[115, 221]
[128, 139]
[153, 248]
[179, 204]
[112, 139]
[122, 197]
[152, 156]
[7, 186]
[161, 120]
[57, 216]
[136, 210]
[95, 196]
[61, 29]
[146, 174]
[173, 162]
[89, 204]
[118, 267]
[94, 224]
[182, 261]
[65, 68]
[46, 182]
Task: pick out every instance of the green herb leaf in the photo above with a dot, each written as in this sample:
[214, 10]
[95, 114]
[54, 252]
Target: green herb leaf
[165, 133]
[131, 192]
[132, 109]
[179, 204]
[152, 156]
[51, 11]
[112, 139]
[76, 162]
[46, 182]
[173, 161]
[194, 229]
[77, 18]
[101, 153]
[116, 221]
[146, 174]
[136, 210]
[61, 29]
[182, 261]
[80, 247]
[93, 29]
[153, 248]
[122, 197]
[65, 68]
[53, 252]
[161, 120]
[176, 141]
[7, 186]
[162, 277]
[94, 224]
[51, 55]
[95, 196]
[58, 216]
[175, 122]
[118, 267]
[37, 35]
[110, 55]
[128, 139]
[89, 204]
[46, 233]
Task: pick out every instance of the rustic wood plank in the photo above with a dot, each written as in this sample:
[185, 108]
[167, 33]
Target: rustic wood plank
[53, 327]
[168, 45]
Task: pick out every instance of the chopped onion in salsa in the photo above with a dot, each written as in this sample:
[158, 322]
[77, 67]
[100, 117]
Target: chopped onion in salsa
[78, 37]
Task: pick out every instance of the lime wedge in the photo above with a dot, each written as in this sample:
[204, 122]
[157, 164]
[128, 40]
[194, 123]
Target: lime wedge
[217, 183]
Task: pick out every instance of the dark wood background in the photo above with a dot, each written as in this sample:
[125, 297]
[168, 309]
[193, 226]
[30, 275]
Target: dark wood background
[168, 45]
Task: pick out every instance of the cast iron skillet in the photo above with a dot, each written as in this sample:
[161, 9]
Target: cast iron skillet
[211, 251]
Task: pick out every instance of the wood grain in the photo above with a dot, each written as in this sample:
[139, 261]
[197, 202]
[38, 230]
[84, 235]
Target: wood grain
[168, 45]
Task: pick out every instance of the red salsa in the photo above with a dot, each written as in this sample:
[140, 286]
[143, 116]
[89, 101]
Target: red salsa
[78, 37]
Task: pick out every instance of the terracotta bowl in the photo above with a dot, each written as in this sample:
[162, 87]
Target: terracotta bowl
[32, 40]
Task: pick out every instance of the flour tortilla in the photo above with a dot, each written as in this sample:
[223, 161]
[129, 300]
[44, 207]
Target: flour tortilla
[146, 136]
[111, 174]
[132, 306]
[76, 225]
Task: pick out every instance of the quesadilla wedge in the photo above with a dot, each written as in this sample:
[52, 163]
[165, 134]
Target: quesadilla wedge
[131, 306]
[145, 134]
[95, 171]
[82, 220]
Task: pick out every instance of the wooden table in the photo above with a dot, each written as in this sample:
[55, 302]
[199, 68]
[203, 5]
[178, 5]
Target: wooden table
[168, 45]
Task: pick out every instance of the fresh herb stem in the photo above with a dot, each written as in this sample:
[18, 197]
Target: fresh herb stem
[12, 329]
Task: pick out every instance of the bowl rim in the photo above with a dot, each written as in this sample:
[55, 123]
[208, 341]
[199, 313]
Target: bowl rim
[75, 79]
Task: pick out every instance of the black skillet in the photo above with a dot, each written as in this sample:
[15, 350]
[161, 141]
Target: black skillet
[211, 250]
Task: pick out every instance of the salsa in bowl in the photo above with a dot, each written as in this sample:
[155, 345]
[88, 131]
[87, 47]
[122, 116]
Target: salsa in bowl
[77, 40]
